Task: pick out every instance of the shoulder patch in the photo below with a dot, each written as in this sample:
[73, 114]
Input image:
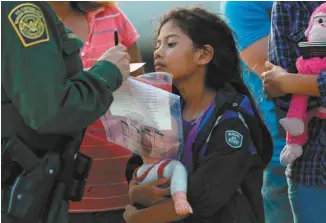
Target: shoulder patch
[233, 138]
[29, 23]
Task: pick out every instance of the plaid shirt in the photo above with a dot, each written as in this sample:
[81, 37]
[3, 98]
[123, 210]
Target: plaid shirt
[289, 22]
[322, 88]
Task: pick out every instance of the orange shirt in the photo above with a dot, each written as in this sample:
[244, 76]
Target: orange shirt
[106, 187]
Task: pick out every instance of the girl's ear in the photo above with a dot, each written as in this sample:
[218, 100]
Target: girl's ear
[206, 54]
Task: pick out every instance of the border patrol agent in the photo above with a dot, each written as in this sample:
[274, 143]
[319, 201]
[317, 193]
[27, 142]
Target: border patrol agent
[47, 101]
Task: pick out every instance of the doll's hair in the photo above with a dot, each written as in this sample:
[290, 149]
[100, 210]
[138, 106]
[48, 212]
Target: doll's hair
[319, 9]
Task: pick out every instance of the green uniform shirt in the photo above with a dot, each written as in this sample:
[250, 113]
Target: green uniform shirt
[42, 74]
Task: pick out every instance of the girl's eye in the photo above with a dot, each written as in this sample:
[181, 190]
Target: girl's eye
[171, 44]
[320, 21]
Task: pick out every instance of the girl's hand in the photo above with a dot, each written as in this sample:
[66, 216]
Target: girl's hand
[150, 193]
[129, 213]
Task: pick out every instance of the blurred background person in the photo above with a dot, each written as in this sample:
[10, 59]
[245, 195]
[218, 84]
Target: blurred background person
[306, 176]
[106, 192]
[94, 23]
[251, 22]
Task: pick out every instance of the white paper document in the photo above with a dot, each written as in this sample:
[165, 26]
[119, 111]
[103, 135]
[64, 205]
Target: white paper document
[146, 119]
[136, 66]
[142, 103]
[133, 67]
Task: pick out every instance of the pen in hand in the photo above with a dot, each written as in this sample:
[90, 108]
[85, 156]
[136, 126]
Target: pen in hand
[116, 37]
[112, 56]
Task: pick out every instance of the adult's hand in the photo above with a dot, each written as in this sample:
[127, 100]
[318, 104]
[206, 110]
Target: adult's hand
[119, 56]
[275, 80]
[149, 193]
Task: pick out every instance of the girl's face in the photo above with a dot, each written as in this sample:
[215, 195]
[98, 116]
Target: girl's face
[175, 52]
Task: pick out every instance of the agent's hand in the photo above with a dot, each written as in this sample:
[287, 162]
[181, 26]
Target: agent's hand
[275, 80]
[119, 56]
[150, 193]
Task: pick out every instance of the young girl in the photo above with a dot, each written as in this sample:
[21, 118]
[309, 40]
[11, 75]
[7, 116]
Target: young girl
[106, 191]
[224, 167]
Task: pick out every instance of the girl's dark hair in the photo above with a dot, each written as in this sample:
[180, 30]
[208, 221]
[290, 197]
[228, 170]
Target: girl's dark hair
[205, 28]
[88, 6]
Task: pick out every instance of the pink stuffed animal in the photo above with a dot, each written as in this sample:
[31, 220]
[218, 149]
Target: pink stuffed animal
[296, 121]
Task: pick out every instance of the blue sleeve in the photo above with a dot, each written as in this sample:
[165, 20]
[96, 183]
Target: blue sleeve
[250, 21]
[322, 87]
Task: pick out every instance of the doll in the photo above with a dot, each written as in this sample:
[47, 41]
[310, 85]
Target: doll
[157, 164]
[158, 149]
[155, 168]
[297, 118]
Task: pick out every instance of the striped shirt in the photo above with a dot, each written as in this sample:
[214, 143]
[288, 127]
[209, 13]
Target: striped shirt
[102, 23]
[106, 187]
